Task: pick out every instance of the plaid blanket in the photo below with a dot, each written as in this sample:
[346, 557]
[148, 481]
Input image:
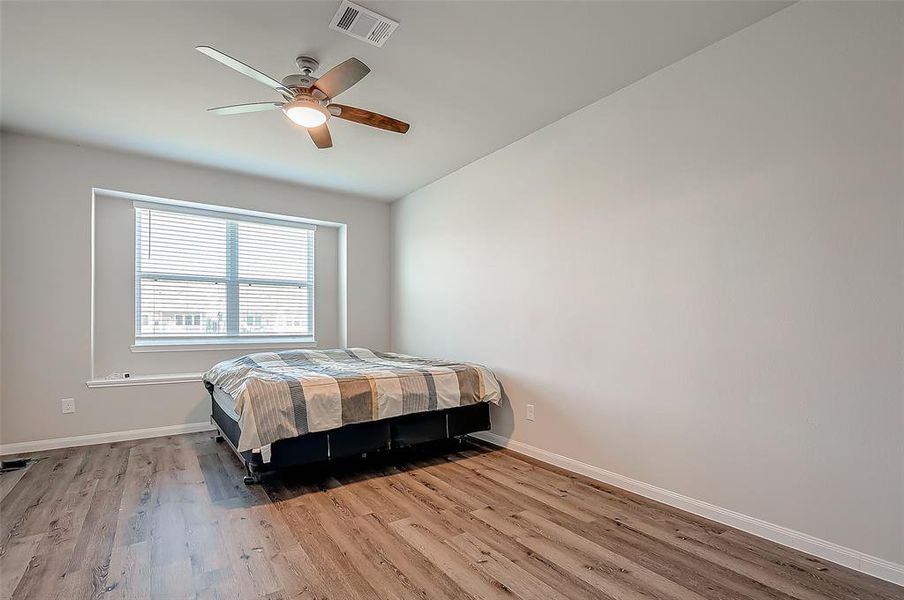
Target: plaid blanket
[285, 394]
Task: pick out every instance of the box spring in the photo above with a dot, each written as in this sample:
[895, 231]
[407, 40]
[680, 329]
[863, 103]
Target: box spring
[359, 438]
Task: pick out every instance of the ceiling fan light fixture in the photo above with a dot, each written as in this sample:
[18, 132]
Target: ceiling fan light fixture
[306, 113]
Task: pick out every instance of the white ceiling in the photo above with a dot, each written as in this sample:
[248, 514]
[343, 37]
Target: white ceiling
[470, 77]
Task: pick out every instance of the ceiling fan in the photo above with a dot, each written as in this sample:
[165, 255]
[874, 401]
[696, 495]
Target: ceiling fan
[309, 100]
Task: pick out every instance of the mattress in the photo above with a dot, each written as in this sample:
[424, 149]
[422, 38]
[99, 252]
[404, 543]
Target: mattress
[280, 395]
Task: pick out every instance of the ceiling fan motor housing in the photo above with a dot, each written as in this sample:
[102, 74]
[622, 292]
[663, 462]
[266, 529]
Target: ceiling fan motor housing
[298, 81]
[307, 66]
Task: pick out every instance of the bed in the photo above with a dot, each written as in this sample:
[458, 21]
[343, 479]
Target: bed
[296, 407]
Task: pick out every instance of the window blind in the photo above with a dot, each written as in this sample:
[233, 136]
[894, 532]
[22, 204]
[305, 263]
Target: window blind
[203, 276]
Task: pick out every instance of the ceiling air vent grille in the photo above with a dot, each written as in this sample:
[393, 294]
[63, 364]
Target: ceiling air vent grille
[363, 24]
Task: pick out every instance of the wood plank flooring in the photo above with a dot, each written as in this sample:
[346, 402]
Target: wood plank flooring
[170, 518]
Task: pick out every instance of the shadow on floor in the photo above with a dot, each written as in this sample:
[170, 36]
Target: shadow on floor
[286, 484]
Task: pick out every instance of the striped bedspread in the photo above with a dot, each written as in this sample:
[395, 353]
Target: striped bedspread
[285, 394]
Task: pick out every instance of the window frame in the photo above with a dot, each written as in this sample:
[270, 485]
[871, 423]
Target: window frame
[233, 336]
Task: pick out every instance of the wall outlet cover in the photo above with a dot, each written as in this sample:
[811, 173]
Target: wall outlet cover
[68, 405]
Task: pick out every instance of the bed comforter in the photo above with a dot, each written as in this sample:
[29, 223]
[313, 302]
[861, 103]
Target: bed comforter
[285, 394]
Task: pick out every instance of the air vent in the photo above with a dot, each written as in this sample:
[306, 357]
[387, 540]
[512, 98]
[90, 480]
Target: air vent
[363, 24]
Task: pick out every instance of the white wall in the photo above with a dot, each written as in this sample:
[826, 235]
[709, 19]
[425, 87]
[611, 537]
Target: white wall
[46, 279]
[699, 280]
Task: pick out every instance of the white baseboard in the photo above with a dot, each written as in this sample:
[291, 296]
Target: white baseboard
[102, 438]
[848, 557]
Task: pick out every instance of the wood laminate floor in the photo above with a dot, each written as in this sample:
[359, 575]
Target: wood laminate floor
[170, 518]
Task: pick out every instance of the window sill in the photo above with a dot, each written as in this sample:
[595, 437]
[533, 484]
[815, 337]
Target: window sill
[145, 380]
[221, 344]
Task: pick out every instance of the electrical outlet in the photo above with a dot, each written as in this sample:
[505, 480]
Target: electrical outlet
[68, 405]
[530, 412]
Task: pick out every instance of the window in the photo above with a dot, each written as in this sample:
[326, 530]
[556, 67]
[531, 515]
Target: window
[204, 277]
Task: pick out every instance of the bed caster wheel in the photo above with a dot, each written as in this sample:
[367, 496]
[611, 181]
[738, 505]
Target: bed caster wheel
[218, 439]
[250, 478]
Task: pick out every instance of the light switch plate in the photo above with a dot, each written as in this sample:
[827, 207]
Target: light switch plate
[530, 412]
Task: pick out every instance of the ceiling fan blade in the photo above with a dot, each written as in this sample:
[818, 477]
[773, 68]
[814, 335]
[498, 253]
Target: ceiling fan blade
[244, 69]
[321, 136]
[341, 77]
[236, 109]
[366, 117]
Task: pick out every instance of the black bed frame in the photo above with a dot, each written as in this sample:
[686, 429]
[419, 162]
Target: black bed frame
[353, 440]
